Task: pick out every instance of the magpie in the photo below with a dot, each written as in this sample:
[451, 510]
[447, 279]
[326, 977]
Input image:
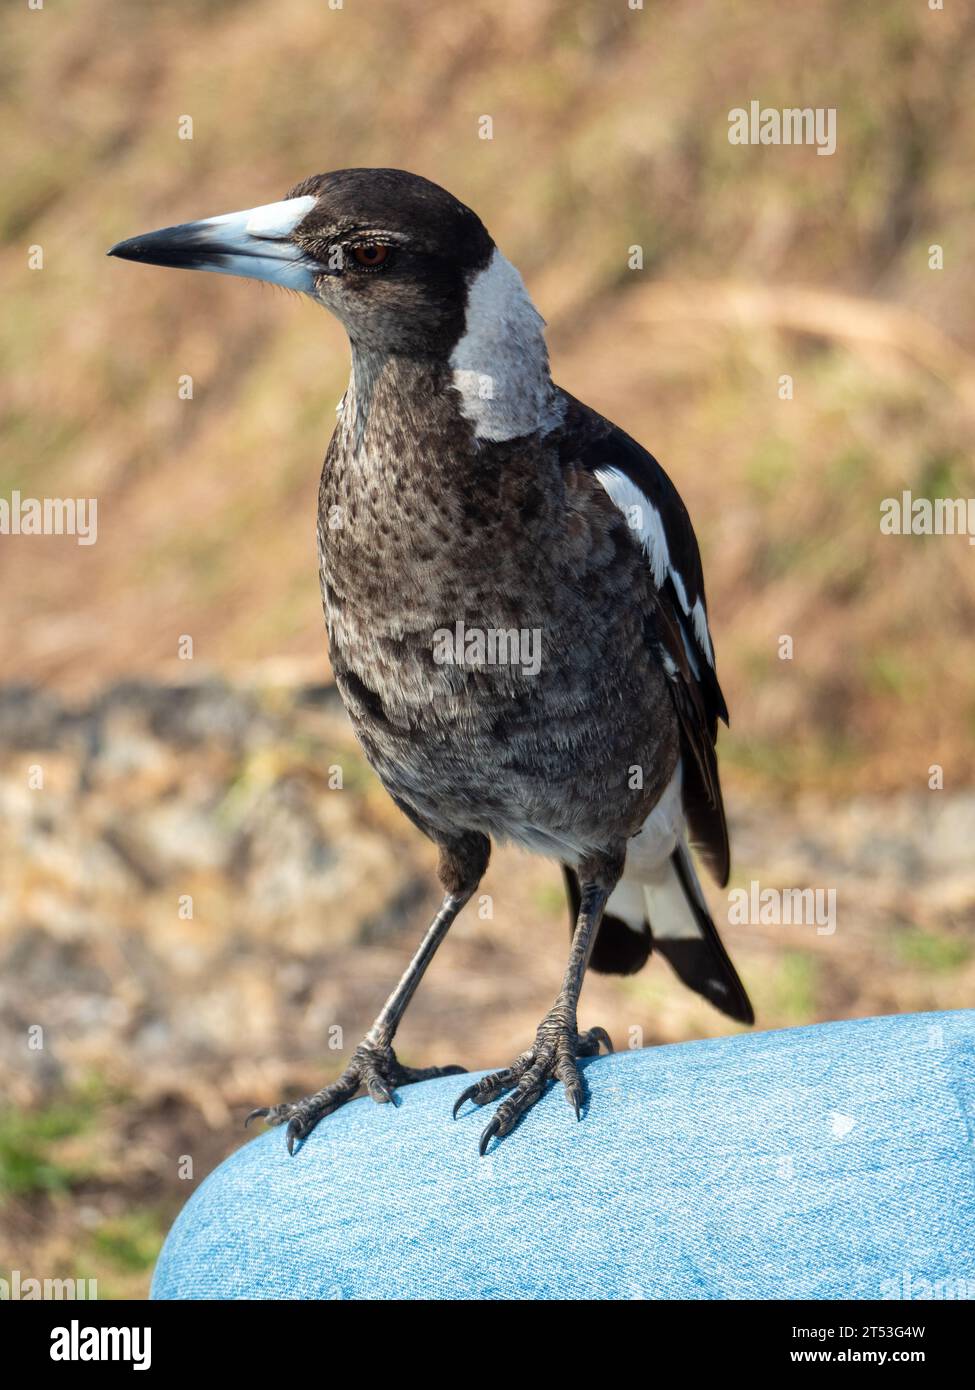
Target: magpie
[515, 608]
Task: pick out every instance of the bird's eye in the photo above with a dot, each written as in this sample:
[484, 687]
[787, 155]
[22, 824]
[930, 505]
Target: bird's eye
[371, 254]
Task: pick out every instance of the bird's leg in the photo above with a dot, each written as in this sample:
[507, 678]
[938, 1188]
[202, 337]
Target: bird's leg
[374, 1064]
[558, 1043]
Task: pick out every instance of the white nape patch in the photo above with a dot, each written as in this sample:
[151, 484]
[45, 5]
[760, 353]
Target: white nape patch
[500, 365]
[625, 493]
[269, 222]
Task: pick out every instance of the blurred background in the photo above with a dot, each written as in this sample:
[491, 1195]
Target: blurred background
[171, 786]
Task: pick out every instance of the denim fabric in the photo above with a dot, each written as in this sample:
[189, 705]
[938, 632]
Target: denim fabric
[826, 1162]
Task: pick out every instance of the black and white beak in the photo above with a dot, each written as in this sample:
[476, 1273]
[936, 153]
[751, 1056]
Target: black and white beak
[255, 244]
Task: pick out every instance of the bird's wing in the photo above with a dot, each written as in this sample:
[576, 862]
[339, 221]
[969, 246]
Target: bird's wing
[678, 628]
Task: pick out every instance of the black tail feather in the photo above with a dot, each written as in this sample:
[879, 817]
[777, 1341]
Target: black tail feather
[619, 949]
[700, 962]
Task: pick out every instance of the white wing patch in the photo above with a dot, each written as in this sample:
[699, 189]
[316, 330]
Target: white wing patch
[649, 887]
[648, 852]
[643, 517]
[702, 632]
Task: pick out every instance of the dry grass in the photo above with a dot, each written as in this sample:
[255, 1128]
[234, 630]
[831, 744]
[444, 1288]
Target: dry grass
[610, 130]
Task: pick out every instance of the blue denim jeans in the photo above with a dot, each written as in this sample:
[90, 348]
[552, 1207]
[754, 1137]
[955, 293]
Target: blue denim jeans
[827, 1162]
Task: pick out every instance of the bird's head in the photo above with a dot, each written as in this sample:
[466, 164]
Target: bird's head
[391, 254]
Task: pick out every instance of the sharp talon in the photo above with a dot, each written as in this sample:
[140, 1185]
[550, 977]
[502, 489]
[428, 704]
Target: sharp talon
[488, 1135]
[603, 1037]
[373, 1068]
[576, 1106]
[471, 1090]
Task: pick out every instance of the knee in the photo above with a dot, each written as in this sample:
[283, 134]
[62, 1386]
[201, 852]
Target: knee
[462, 863]
[604, 870]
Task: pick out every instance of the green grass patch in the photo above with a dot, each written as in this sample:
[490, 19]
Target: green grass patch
[931, 951]
[795, 987]
[29, 1140]
[550, 899]
[130, 1243]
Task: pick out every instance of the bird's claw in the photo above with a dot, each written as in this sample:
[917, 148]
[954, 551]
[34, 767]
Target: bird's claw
[488, 1134]
[373, 1066]
[552, 1058]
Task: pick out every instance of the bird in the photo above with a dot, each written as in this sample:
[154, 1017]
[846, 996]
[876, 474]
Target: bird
[515, 607]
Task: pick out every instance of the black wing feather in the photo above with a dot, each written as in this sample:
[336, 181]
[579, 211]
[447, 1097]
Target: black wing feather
[697, 695]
